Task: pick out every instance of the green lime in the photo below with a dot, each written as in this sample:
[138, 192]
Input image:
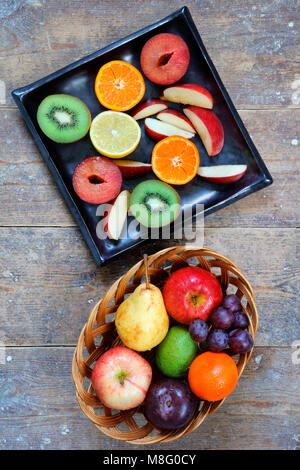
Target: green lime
[176, 353]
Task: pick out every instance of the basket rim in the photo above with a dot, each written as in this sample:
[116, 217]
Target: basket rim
[81, 369]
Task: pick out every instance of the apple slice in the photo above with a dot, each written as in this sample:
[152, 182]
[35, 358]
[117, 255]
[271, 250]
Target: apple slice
[188, 93]
[177, 119]
[131, 169]
[222, 173]
[208, 127]
[148, 108]
[117, 215]
[158, 130]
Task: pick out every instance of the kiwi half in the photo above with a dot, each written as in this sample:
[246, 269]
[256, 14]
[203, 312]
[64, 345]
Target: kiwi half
[63, 118]
[154, 203]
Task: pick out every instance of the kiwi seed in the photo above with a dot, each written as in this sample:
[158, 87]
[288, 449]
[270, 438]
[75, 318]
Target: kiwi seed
[154, 203]
[63, 118]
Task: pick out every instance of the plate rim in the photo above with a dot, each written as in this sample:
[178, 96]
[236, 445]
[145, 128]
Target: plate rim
[19, 93]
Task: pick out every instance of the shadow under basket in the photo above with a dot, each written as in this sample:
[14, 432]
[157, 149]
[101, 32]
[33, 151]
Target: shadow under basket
[99, 334]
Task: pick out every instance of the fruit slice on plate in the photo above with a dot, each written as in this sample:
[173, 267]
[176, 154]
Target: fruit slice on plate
[158, 130]
[188, 93]
[131, 169]
[63, 118]
[117, 215]
[222, 173]
[154, 203]
[165, 58]
[148, 108]
[119, 85]
[208, 127]
[97, 180]
[175, 160]
[115, 134]
[177, 119]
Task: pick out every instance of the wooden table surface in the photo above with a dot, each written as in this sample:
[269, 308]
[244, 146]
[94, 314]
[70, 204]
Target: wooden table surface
[48, 279]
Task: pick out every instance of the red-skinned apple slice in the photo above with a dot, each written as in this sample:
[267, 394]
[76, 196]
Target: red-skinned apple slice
[131, 169]
[177, 119]
[158, 130]
[148, 108]
[188, 93]
[208, 127]
[117, 215]
[222, 173]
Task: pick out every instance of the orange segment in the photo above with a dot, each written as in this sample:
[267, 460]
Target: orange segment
[119, 85]
[175, 160]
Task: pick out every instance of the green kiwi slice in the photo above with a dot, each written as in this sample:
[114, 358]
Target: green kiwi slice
[154, 203]
[63, 118]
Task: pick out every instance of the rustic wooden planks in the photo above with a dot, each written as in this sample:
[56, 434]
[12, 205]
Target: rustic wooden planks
[49, 281]
[40, 37]
[38, 408]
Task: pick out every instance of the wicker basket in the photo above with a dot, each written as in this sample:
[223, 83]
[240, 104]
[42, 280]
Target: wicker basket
[99, 334]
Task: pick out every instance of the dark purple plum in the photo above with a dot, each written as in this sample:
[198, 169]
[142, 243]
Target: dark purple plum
[240, 321]
[232, 302]
[240, 341]
[217, 340]
[221, 318]
[198, 330]
[170, 404]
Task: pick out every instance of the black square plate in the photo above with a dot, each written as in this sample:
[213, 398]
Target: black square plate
[78, 79]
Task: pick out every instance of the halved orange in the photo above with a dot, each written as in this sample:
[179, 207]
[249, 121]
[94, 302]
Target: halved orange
[175, 160]
[119, 85]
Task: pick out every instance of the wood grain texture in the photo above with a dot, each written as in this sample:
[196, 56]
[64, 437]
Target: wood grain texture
[50, 285]
[38, 37]
[38, 408]
[30, 195]
[48, 279]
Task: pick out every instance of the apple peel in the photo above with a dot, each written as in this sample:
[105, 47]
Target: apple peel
[177, 119]
[132, 169]
[188, 93]
[222, 173]
[209, 128]
[158, 130]
[148, 108]
[117, 215]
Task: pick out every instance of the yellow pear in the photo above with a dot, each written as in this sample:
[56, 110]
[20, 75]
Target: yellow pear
[141, 320]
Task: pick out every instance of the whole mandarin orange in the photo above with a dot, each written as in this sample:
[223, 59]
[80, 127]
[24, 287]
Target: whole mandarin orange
[213, 376]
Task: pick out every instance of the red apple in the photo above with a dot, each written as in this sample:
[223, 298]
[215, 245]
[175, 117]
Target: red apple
[208, 127]
[121, 378]
[148, 108]
[177, 119]
[165, 58]
[191, 293]
[131, 169]
[158, 130]
[222, 173]
[188, 93]
[117, 215]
